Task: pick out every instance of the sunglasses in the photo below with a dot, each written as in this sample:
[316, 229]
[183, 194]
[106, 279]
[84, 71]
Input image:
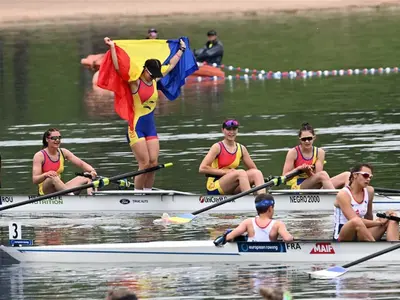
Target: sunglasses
[366, 175]
[55, 138]
[231, 123]
[307, 138]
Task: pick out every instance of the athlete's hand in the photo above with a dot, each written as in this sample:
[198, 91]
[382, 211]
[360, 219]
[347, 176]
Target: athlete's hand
[391, 213]
[182, 44]
[109, 41]
[221, 240]
[50, 174]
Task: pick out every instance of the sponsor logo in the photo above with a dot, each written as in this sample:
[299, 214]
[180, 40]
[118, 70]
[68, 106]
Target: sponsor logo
[140, 201]
[58, 200]
[293, 246]
[322, 248]
[212, 199]
[124, 201]
[6, 199]
[304, 199]
[262, 247]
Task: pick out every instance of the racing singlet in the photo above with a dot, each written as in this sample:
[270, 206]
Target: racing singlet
[144, 104]
[224, 160]
[261, 234]
[300, 160]
[360, 208]
[50, 165]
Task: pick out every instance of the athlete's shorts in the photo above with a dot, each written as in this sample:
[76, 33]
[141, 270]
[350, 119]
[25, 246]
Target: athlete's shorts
[213, 187]
[295, 183]
[144, 127]
[340, 228]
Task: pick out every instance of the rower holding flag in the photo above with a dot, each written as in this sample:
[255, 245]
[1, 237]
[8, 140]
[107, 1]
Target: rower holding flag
[261, 228]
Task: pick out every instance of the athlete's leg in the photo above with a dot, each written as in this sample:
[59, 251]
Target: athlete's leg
[153, 146]
[340, 180]
[234, 182]
[318, 180]
[256, 178]
[355, 227]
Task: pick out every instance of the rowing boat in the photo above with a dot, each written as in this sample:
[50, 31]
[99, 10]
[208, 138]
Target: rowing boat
[157, 201]
[203, 252]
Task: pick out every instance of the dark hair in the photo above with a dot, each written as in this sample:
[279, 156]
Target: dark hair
[306, 127]
[261, 197]
[121, 294]
[357, 168]
[46, 134]
[271, 293]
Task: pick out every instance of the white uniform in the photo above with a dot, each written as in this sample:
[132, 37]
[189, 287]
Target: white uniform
[261, 234]
[359, 208]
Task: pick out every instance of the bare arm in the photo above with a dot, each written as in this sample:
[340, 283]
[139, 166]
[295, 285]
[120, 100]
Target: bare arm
[319, 164]
[77, 161]
[114, 57]
[282, 231]
[242, 228]
[174, 60]
[369, 215]
[289, 161]
[205, 166]
[248, 162]
[37, 175]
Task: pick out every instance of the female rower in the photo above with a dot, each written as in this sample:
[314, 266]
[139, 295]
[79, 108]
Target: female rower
[221, 163]
[48, 165]
[353, 211]
[142, 134]
[311, 160]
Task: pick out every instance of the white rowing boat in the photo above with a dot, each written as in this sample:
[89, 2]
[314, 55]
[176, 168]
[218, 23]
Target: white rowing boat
[204, 251]
[158, 201]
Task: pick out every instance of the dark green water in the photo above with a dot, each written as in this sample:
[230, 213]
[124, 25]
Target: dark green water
[42, 84]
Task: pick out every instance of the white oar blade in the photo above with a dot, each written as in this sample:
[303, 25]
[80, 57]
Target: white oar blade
[329, 273]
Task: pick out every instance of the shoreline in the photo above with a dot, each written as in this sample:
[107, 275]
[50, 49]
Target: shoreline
[50, 12]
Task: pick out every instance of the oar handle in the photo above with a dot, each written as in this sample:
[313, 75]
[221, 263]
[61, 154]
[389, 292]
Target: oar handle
[275, 181]
[99, 183]
[385, 216]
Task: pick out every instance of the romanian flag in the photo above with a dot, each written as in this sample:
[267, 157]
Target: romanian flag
[132, 55]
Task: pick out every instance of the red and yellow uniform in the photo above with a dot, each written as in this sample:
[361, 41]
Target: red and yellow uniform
[144, 104]
[50, 165]
[300, 160]
[224, 160]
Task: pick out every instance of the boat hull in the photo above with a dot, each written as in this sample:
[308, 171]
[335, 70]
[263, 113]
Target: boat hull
[179, 252]
[175, 201]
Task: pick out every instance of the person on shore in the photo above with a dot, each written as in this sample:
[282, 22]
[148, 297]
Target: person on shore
[311, 160]
[353, 210]
[213, 50]
[48, 166]
[152, 34]
[221, 163]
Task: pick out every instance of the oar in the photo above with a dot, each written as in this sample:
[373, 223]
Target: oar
[121, 183]
[385, 216]
[337, 271]
[99, 183]
[386, 190]
[186, 218]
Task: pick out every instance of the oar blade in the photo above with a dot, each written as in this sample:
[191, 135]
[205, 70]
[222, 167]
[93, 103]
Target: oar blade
[180, 219]
[330, 273]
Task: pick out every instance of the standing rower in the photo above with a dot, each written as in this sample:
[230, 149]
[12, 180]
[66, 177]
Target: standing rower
[353, 211]
[261, 228]
[311, 160]
[221, 163]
